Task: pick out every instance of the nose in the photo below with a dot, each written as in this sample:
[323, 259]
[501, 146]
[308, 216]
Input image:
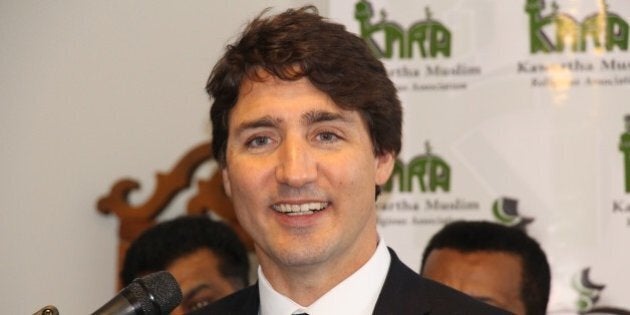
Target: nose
[296, 166]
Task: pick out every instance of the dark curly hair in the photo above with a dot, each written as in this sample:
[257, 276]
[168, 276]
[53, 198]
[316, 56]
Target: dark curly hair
[156, 248]
[300, 43]
[471, 236]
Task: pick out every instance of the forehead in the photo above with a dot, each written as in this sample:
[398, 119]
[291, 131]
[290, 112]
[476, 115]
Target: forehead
[281, 99]
[486, 273]
[498, 264]
[198, 262]
[492, 276]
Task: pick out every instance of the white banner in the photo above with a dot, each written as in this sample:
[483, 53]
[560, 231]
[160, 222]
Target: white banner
[517, 113]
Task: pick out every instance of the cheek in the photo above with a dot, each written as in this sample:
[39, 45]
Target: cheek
[243, 176]
[248, 188]
[353, 179]
[361, 171]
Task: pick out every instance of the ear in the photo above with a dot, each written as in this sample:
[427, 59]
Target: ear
[226, 182]
[384, 165]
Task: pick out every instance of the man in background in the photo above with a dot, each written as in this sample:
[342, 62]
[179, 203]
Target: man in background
[496, 264]
[206, 258]
[306, 127]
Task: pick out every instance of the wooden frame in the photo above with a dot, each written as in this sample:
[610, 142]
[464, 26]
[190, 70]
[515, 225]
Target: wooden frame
[134, 219]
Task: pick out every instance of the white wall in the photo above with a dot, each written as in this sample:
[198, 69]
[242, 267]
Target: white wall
[91, 91]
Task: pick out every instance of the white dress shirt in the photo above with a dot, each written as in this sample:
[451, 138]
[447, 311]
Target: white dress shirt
[357, 294]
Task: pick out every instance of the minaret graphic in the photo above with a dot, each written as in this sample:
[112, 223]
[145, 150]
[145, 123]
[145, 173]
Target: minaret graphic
[538, 40]
[428, 37]
[624, 147]
[428, 170]
[429, 33]
[603, 29]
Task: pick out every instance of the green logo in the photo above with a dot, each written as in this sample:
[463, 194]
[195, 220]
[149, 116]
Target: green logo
[505, 211]
[603, 29]
[429, 171]
[426, 37]
[588, 291]
[588, 295]
[624, 147]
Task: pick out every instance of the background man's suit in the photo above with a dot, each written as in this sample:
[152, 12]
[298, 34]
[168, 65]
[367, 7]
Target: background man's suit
[404, 292]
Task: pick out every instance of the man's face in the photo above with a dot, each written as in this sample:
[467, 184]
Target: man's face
[301, 173]
[490, 276]
[200, 280]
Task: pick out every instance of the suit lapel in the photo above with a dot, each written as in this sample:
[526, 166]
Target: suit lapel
[251, 302]
[400, 286]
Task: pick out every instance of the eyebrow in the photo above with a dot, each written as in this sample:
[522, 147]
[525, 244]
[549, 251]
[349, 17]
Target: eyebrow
[317, 116]
[265, 121]
[308, 118]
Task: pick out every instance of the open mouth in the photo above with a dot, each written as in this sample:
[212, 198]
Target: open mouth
[300, 209]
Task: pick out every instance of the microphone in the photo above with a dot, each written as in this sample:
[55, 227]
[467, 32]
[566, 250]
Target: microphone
[153, 294]
[47, 310]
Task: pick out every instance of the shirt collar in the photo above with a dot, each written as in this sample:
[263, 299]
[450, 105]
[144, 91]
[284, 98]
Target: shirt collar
[357, 294]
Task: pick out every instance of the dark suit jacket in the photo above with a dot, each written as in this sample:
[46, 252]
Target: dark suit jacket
[404, 293]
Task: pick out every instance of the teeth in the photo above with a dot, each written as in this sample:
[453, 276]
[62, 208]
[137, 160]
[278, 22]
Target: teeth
[299, 213]
[301, 209]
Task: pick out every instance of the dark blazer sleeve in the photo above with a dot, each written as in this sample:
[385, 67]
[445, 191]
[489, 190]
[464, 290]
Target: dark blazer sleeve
[243, 302]
[405, 293]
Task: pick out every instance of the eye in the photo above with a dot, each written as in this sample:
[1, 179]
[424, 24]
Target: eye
[327, 136]
[258, 141]
[195, 305]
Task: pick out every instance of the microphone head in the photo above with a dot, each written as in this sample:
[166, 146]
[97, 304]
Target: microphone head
[156, 293]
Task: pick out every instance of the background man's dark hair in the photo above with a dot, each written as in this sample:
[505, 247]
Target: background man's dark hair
[165, 242]
[300, 43]
[472, 236]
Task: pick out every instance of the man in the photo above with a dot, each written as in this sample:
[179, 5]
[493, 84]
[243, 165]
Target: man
[306, 126]
[206, 258]
[497, 264]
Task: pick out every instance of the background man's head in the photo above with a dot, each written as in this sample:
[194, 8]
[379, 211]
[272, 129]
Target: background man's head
[300, 43]
[206, 258]
[498, 264]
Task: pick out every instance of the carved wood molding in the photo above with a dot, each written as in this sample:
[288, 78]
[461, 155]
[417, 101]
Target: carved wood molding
[134, 219]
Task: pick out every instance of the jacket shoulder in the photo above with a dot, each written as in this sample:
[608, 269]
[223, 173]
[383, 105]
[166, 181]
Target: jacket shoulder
[406, 292]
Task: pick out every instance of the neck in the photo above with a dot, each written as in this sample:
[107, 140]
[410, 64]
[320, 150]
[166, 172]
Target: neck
[305, 284]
